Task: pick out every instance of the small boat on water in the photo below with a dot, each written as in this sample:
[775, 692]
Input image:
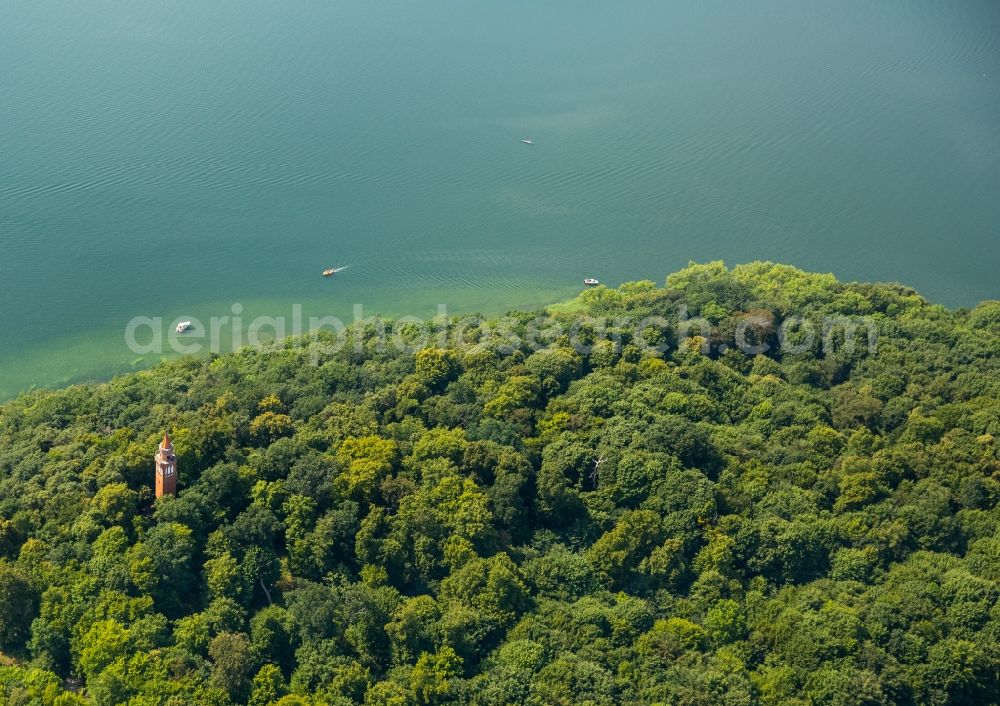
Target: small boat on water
[528, 142]
[329, 271]
[591, 282]
[183, 326]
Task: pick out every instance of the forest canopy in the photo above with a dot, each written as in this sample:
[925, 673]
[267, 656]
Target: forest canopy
[649, 518]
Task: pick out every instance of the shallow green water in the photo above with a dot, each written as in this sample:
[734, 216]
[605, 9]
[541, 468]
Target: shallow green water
[172, 159]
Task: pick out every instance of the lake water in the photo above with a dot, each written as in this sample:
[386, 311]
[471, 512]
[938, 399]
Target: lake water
[171, 159]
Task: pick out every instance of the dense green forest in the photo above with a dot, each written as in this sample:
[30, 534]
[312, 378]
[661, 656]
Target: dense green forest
[639, 520]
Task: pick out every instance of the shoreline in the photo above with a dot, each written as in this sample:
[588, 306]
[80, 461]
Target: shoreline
[84, 357]
[51, 369]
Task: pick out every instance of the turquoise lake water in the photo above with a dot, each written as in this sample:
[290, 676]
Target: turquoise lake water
[173, 159]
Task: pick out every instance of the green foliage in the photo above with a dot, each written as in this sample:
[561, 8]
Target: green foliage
[232, 663]
[366, 460]
[433, 676]
[483, 525]
[19, 601]
[436, 367]
[268, 686]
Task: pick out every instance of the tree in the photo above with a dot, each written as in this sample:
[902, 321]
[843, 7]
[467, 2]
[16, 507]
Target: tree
[20, 602]
[105, 642]
[571, 680]
[619, 555]
[434, 675]
[411, 631]
[224, 579]
[233, 663]
[115, 504]
[268, 686]
[163, 566]
[269, 426]
[725, 622]
[366, 460]
[271, 637]
[435, 367]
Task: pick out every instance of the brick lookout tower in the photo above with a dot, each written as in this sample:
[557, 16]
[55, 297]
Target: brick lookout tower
[166, 468]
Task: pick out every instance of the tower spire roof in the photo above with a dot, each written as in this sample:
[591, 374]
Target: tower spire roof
[166, 441]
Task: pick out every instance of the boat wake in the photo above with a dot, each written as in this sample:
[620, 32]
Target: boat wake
[334, 270]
